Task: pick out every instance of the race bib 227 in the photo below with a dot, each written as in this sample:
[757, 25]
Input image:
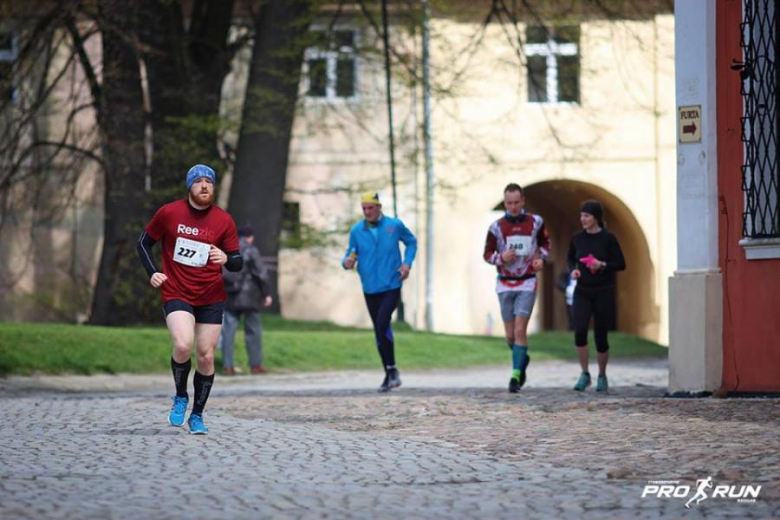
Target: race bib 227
[192, 253]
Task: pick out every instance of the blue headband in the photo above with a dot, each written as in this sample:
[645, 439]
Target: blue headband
[200, 171]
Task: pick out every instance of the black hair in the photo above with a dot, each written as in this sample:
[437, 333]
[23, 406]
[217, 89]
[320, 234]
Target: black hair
[593, 207]
[245, 230]
[513, 186]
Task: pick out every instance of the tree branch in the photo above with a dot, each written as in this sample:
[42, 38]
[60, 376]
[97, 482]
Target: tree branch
[71, 147]
[86, 65]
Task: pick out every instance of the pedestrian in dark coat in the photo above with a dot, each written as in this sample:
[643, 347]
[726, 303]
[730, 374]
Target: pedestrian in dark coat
[248, 293]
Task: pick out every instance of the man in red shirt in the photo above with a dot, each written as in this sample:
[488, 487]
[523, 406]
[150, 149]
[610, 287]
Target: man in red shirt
[198, 238]
[517, 245]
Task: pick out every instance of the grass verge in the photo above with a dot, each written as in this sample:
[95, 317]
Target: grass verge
[289, 345]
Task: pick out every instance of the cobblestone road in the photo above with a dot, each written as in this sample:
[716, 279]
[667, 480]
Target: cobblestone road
[447, 445]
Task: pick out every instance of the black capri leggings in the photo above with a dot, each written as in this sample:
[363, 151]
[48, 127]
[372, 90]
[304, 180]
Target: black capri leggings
[599, 303]
[381, 307]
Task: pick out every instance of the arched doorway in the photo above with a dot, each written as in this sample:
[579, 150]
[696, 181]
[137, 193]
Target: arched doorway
[558, 202]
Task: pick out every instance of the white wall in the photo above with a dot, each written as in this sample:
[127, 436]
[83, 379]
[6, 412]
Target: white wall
[695, 349]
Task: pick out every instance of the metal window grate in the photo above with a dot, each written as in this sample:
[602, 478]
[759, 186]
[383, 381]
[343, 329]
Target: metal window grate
[759, 42]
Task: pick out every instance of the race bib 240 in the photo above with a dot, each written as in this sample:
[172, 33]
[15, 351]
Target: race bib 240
[520, 243]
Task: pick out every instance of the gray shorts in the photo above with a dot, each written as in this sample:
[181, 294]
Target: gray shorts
[516, 303]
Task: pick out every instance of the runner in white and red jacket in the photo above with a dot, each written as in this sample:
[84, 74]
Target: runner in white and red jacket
[517, 244]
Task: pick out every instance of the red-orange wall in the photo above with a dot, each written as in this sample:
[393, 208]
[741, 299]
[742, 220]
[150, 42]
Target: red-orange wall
[751, 289]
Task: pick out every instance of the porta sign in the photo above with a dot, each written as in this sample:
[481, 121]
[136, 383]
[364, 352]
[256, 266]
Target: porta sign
[689, 124]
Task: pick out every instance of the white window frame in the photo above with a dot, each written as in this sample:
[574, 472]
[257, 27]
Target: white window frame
[331, 58]
[550, 50]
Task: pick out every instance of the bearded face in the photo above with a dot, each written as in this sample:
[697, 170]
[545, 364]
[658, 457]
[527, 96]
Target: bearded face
[202, 192]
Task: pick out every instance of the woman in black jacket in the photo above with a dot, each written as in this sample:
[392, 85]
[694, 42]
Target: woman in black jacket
[594, 257]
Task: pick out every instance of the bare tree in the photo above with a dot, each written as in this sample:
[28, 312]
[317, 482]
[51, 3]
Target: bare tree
[40, 162]
[120, 115]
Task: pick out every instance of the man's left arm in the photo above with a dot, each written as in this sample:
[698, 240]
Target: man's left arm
[410, 243]
[543, 241]
[542, 247]
[234, 262]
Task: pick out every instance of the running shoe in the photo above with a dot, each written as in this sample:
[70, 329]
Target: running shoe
[179, 410]
[385, 386]
[514, 385]
[521, 381]
[395, 378]
[583, 382]
[196, 424]
[601, 383]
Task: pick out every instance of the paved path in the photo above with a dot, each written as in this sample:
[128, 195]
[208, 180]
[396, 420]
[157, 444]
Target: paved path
[447, 445]
[546, 374]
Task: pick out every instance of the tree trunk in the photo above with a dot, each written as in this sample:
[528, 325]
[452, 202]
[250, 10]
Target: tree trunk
[259, 177]
[121, 117]
[186, 71]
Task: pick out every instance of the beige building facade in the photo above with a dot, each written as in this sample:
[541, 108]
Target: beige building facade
[600, 125]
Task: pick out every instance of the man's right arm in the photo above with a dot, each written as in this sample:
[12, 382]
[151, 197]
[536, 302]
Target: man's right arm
[146, 241]
[491, 254]
[350, 255]
[144, 248]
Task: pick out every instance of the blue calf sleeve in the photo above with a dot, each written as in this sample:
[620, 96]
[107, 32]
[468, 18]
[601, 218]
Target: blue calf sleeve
[519, 353]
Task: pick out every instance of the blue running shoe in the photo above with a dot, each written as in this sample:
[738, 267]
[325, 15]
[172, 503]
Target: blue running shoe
[196, 425]
[601, 384]
[179, 410]
[583, 382]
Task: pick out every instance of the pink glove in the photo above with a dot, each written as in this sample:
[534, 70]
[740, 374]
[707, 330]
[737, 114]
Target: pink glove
[588, 260]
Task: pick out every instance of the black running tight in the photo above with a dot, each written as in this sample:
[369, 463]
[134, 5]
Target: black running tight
[599, 303]
[381, 307]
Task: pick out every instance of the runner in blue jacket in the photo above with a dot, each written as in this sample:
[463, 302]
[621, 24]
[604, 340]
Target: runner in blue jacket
[373, 247]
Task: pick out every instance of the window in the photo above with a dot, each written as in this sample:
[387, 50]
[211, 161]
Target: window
[553, 64]
[291, 222]
[759, 75]
[331, 65]
[8, 55]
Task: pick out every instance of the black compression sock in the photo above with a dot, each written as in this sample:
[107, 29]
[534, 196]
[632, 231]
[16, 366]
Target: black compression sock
[389, 356]
[203, 386]
[181, 371]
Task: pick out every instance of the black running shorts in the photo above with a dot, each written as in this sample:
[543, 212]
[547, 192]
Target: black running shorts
[211, 313]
